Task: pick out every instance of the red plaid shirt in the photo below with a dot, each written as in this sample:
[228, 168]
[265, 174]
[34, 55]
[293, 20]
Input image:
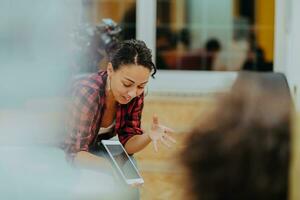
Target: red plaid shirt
[86, 111]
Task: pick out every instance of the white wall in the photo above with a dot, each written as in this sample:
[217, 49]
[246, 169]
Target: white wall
[287, 44]
[190, 83]
[287, 60]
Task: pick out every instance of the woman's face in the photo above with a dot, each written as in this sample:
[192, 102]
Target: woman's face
[128, 81]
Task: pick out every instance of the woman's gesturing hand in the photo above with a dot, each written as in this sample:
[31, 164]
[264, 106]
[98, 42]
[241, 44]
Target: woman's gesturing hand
[160, 133]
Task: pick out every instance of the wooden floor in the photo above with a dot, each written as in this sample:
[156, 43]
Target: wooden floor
[295, 165]
[164, 178]
[161, 170]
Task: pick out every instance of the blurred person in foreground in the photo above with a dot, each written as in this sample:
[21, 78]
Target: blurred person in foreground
[242, 149]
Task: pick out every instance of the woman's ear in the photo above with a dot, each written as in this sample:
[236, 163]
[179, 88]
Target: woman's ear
[109, 69]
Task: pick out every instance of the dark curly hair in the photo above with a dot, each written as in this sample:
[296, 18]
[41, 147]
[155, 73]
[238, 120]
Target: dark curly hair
[132, 52]
[241, 151]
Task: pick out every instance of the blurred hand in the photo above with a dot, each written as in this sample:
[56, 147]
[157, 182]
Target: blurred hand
[160, 133]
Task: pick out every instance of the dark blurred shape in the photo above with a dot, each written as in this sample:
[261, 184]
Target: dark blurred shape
[165, 38]
[94, 43]
[171, 55]
[212, 48]
[212, 45]
[128, 24]
[184, 36]
[255, 60]
[201, 59]
[166, 41]
[247, 9]
[241, 150]
[109, 32]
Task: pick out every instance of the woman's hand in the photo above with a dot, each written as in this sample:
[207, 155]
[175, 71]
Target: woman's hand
[160, 133]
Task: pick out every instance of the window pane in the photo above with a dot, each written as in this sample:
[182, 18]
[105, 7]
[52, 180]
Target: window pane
[225, 35]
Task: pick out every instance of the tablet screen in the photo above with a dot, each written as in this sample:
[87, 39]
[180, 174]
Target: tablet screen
[123, 161]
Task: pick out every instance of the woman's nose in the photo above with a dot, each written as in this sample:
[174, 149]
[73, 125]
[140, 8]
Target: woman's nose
[132, 93]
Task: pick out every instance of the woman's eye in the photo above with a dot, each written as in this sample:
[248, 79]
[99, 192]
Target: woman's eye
[126, 85]
[141, 87]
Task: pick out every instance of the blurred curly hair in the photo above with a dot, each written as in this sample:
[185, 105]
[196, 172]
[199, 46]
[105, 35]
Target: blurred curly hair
[241, 150]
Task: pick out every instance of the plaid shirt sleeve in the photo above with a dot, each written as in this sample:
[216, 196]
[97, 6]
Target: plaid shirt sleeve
[132, 121]
[79, 121]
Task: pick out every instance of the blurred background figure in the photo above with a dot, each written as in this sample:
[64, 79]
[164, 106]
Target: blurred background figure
[184, 39]
[212, 49]
[255, 59]
[173, 52]
[242, 149]
[166, 42]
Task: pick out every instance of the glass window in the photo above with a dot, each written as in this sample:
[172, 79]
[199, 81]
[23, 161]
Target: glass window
[227, 35]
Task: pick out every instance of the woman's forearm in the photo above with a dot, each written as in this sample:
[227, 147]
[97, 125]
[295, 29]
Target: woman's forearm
[137, 143]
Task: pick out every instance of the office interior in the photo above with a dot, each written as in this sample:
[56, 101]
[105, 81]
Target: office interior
[198, 46]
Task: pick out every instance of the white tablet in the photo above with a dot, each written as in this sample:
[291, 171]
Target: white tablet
[122, 162]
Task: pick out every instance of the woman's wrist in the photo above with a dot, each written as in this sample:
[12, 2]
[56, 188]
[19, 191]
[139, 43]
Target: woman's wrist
[148, 137]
